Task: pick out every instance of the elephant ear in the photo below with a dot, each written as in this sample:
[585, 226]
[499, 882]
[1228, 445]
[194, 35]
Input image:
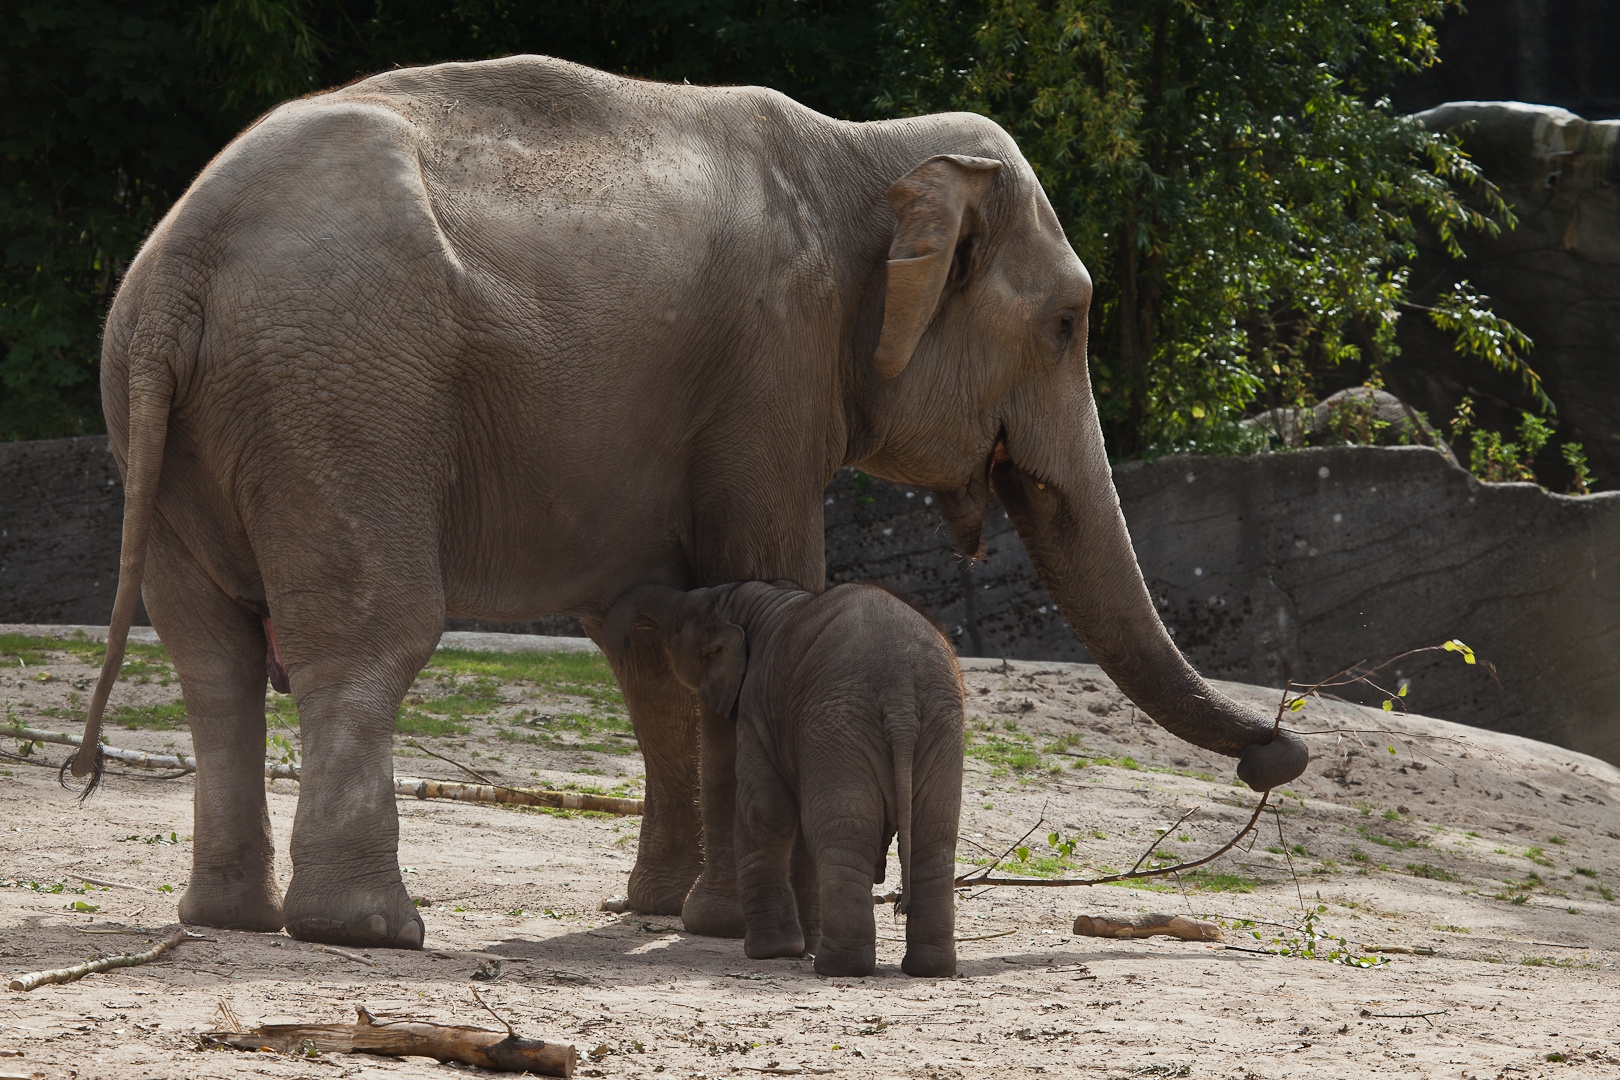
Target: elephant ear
[930, 204]
[725, 659]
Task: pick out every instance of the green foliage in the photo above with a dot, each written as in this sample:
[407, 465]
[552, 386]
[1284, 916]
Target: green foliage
[170, 717]
[1245, 198]
[1575, 457]
[1496, 461]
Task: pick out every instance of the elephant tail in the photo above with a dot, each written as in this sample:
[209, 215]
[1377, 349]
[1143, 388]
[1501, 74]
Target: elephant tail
[902, 737]
[159, 336]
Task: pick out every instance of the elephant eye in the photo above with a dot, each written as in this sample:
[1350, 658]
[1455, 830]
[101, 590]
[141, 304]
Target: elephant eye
[1065, 329]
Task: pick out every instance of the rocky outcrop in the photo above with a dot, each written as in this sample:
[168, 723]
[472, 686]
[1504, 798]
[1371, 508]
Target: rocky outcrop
[1556, 276]
[1294, 565]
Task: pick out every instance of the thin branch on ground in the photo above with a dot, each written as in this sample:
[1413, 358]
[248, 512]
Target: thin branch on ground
[983, 877]
[34, 979]
[468, 769]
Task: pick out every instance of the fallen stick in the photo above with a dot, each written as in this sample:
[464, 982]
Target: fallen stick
[346, 955]
[410, 787]
[501, 1051]
[1148, 926]
[139, 758]
[33, 979]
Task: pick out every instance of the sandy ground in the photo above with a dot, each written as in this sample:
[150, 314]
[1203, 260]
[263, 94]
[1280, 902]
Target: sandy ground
[1499, 854]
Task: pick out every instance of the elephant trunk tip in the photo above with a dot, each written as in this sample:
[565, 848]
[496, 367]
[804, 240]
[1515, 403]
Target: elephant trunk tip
[1267, 765]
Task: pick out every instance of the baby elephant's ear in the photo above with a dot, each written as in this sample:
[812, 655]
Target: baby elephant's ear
[725, 658]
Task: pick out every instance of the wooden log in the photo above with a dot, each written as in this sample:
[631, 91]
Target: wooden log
[502, 1051]
[33, 979]
[491, 793]
[1147, 926]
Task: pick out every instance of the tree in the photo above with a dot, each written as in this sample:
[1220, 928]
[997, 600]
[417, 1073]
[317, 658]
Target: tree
[1229, 170]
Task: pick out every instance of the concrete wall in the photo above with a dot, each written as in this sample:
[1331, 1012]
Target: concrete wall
[1280, 566]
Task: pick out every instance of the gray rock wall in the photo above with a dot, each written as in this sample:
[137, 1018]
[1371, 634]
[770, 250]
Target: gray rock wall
[1275, 567]
[1556, 277]
[61, 516]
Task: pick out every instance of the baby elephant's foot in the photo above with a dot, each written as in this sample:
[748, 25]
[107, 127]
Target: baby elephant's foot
[930, 961]
[856, 962]
[217, 901]
[713, 910]
[768, 943]
[379, 918]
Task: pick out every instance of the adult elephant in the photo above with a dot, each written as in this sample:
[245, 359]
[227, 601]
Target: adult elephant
[501, 339]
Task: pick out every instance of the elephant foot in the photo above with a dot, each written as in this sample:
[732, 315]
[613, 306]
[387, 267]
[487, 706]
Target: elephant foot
[930, 961]
[713, 910]
[773, 942]
[375, 918]
[856, 962]
[230, 905]
[660, 888]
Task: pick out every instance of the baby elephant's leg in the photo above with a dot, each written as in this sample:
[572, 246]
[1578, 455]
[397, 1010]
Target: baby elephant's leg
[767, 825]
[806, 890]
[843, 825]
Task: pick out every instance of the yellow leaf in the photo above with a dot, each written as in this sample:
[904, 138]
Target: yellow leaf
[1198, 412]
[1389, 706]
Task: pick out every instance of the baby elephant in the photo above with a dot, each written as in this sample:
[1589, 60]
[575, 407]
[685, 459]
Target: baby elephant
[847, 713]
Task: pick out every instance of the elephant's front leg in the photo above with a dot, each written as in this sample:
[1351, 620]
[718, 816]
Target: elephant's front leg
[664, 715]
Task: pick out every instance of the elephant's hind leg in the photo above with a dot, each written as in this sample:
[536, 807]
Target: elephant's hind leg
[217, 648]
[349, 673]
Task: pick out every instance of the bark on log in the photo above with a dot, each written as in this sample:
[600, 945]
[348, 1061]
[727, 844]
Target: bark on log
[1148, 926]
[486, 793]
[498, 1050]
[33, 979]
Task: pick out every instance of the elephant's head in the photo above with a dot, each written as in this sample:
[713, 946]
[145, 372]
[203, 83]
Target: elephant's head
[979, 381]
[708, 651]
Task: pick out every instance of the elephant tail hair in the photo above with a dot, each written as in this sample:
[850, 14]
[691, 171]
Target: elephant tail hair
[902, 736]
[159, 336]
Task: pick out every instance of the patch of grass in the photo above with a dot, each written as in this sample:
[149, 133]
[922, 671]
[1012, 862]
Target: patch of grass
[1213, 881]
[1586, 871]
[151, 717]
[144, 659]
[1546, 961]
[413, 722]
[1537, 856]
[1558, 840]
[1001, 751]
[1454, 929]
[1357, 855]
[1431, 872]
[1392, 815]
[1605, 892]
[1387, 841]
[1472, 833]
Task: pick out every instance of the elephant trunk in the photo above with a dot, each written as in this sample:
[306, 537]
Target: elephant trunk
[1075, 534]
[648, 606]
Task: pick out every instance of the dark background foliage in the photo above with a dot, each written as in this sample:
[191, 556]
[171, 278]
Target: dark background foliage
[112, 108]
[1195, 148]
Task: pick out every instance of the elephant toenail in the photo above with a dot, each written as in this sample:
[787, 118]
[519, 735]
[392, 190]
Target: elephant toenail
[374, 928]
[411, 936]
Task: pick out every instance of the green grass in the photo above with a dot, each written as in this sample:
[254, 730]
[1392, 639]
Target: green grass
[1431, 872]
[170, 717]
[1537, 856]
[139, 659]
[1389, 842]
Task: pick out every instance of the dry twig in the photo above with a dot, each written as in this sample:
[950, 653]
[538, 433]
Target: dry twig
[34, 979]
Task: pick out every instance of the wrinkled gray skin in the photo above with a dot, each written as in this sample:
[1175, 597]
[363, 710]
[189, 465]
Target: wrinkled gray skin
[503, 339]
[847, 733]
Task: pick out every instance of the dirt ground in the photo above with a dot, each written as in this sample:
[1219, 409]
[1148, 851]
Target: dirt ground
[1498, 854]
